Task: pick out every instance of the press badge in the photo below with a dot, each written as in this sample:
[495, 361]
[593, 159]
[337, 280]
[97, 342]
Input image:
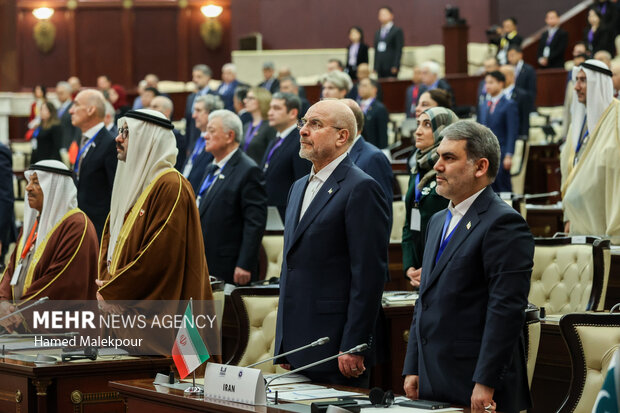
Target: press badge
[416, 219]
[16, 273]
[381, 47]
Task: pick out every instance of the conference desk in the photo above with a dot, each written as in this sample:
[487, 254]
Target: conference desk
[142, 396]
[75, 386]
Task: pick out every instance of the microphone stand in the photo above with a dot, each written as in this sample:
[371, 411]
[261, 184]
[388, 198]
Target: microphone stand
[39, 301]
[318, 342]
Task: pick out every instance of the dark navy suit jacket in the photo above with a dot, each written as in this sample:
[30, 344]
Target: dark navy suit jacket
[96, 178]
[376, 119]
[371, 160]
[468, 320]
[285, 167]
[7, 216]
[526, 80]
[504, 122]
[228, 94]
[191, 131]
[233, 214]
[335, 259]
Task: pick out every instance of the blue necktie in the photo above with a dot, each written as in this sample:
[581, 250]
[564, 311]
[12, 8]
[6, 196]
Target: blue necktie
[444, 239]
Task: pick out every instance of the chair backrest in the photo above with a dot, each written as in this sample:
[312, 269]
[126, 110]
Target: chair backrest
[532, 333]
[217, 288]
[256, 309]
[570, 276]
[274, 252]
[592, 340]
[408, 126]
[403, 183]
[398, 220]
[519, 166]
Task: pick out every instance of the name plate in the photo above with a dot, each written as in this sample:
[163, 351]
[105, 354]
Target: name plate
[235, 384]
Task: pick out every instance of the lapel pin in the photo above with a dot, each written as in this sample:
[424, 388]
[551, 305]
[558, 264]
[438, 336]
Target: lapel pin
[141, 212]
[221, 176]
[330, 191]
[468, 226]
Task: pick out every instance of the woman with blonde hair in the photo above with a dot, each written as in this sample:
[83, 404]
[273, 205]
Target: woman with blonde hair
[257, 134]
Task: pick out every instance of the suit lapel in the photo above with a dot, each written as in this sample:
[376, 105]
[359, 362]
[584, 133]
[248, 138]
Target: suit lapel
[294, 206]
[356, 150]
[229, 169]
[327, 191]
[466, 226]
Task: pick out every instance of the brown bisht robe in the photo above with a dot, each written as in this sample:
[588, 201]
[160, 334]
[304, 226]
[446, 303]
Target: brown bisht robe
[66, 266]
[162, 257]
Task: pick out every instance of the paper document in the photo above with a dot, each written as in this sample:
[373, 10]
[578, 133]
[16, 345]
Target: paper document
[294, 387]
[312, 394]
[291, 378]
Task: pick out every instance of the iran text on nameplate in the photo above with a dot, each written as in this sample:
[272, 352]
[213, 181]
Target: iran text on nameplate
[235, 384]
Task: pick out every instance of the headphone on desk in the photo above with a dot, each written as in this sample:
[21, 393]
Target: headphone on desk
[379, 397]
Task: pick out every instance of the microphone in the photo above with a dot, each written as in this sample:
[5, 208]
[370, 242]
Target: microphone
[39, 301]
[356, 349]
[319, 342]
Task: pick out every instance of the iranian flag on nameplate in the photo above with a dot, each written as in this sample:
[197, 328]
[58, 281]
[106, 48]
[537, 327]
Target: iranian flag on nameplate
[235, 384]
[189, 351]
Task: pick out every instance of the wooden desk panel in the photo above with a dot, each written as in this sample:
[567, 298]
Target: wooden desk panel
[71, 386]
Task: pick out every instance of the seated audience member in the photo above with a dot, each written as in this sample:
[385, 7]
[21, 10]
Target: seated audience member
[137, 102]
[470, 314]
[430, 78]
[7, 199]
[519, 95]
[376, 116]
[363, 72]
[489, 65]
[604, 56]
[552, 43]
[422, 200]
[147, 96]
[336, 84]
[56, 252]
[413, 92]
[201, 76]
[229, 83]
[108, 119]
[238, 98]
[164, 105]
[357, 51]
[525, 75]
[47, 137]
[335, 65]
[501, 115]
[198, 160]
[257, 134]
[589, 158]
[510, 37]
[433, 98]
[289, 85]
[75, 84]
[598, 35]
[271, 83]
[286, 72]
[232, 202]
[281, 164]
[69, 132]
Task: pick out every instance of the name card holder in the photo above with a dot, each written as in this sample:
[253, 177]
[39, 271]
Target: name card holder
[235, 384]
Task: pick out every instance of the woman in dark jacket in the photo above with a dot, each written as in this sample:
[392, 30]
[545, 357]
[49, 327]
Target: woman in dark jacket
[257, 134]
[422, 200]
[598, 36]
[357, 51]
[47, 138]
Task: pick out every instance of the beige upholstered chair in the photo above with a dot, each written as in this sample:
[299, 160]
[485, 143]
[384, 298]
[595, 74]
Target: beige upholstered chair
[273, 246]
[532, 340]
[403, 183]
[570, 277]
[519, 166]
[217, 287]
[256, 309]
[592, 340]
[398, 220]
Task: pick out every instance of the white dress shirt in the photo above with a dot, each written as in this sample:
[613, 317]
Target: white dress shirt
[316, 181]
[460, 210]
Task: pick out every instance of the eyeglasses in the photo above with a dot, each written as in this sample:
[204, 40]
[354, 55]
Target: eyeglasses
[314, 125]
[124, 132]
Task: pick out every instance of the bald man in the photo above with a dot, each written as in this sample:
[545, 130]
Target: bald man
[336, 236]
[164, 105]
[95, 165]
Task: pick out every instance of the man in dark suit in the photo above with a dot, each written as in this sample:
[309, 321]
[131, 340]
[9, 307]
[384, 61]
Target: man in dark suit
[271, 83]
[289, 85]
[429, 74]
[465, 343]
[164, 105]
[95, 165]
[7, 198]
[501, 115]
[201, 75]
[520, 96]
[232, 203]
[525, 75]
[490, 65]
[70, 133]
[389, 42]
[281, 164]
[376, 116]
[552, 43]
[413, 92]
[228, 86]
[509, 37]
[335, 253]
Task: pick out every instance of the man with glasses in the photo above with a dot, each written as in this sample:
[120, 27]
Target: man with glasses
[281, 163]
[336, 236]
[152, 246]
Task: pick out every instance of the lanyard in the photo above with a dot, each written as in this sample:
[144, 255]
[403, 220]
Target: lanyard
[276, 146]
[582, 138]
[418, 193]
[250, 134]
[31, 239]
[81, 151]
[199, 147]
[210, 179]
[445, 241]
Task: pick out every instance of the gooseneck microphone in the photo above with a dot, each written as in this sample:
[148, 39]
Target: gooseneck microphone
[319, 342]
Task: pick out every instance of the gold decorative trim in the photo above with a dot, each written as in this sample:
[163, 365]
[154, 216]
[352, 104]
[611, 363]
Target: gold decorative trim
[10, 396]
[41, 385]
[79, 399]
